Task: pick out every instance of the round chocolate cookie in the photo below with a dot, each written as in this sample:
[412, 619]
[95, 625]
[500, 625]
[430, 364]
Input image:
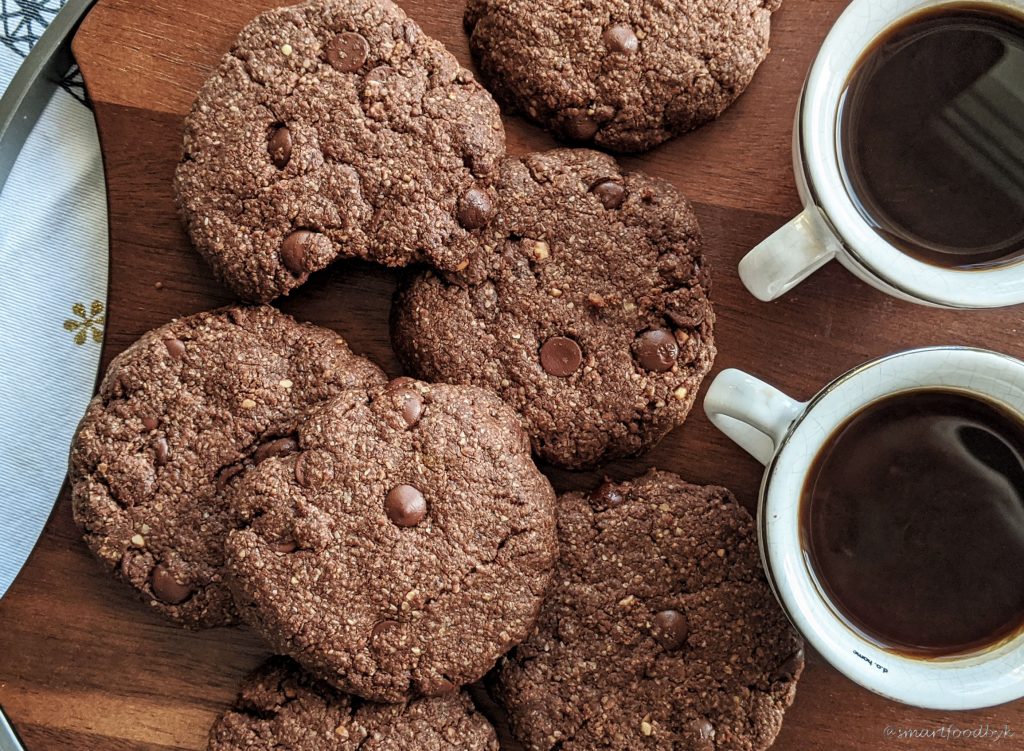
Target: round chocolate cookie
[660, 631]
[405, 548]
[623, 74]
[589, 315]
[179, 414]
[335, 128]
[283, 707]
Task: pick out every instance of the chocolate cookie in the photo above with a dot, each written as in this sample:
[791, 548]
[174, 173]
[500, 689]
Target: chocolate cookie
[179, 414]
[335, 128]
[660, 631]
[283, 707]
[405, 548]
[589, 314]
[623, 74]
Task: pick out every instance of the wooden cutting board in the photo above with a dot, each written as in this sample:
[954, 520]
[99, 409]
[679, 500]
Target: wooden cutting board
[84, 665]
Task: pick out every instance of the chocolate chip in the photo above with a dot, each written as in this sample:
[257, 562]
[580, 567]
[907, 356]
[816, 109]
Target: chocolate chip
[162, 451]
[580, 127]
[226, 475]
[561, 356]
[377, 79]
[382, 628]
[702, 733]
[405, 506]
[285, 545]
[278, 447]
[166, 588]
[475, 209]
[293, 251]
[787, 671]
[620, 38]
[280, 147]
[412, 406]
[657, 350]
[610, 193]
[606, 496]
[670, 629]
[300, 472]
[348, 51]
[175, 348]
[400, 382]
[149, 423]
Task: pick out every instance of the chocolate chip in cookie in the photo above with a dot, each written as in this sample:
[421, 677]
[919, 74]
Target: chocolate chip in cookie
[179, 416]
[625, 75]
[589, 314]
[423, 547]
[335, 128]
[660, 630]
[281, 706]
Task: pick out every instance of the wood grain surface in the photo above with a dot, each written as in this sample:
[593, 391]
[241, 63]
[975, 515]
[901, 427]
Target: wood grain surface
[84, 665]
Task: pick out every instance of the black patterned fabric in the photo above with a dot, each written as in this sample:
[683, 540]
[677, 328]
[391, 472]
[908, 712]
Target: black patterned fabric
[22, 22]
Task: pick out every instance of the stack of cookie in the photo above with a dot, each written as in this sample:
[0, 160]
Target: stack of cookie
[394, 538]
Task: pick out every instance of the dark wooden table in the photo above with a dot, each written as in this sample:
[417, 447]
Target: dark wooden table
[83, 665]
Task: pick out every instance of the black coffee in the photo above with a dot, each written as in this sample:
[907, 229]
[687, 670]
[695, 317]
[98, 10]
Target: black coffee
[932, 136]
[912, 519]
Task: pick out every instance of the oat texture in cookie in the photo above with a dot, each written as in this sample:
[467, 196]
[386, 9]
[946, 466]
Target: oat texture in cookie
[335, 128]
[179, 415]
[660, 631]
[281, 706]
[588, 314]
[622, 74]
[404, 548]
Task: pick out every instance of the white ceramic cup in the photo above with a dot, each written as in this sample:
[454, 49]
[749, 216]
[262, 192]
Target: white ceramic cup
[830, 226]
[786, 436]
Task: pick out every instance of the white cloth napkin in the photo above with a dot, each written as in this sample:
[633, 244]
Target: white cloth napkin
[53, 282]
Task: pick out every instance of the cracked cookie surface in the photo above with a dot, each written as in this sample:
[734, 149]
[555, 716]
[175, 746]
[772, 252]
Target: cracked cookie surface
[660, 631]
[622, 74]
[405, 548]
[178, 416]
[334, 129]
[280, 706]
[588, 313]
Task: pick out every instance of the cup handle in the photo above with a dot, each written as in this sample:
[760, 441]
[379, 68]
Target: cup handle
[753, 414]
[790, 255]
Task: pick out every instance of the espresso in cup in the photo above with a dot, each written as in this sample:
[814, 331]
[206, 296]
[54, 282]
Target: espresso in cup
[931, 135]
[891, 518]
[912, 522]
[909, 157]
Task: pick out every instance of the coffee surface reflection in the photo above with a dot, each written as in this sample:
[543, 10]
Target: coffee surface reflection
[912, 521]
[931, 136]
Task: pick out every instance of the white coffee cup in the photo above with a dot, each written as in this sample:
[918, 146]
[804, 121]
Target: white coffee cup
[831, 226]
[786, 436]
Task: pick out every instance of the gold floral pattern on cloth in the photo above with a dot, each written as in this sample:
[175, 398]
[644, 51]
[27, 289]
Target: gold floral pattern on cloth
[90, 321]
